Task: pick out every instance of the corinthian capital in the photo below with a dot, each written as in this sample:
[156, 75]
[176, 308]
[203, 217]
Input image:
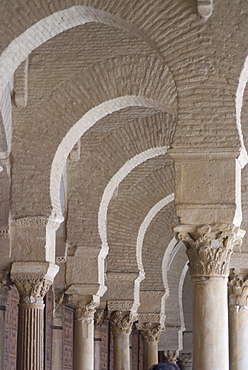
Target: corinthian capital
[238, 290]
[33, 279]
[4, 288]
[122, 322]
[150, 332]
[171, 356]
[99, 317]
[85, 306]
[209, 247]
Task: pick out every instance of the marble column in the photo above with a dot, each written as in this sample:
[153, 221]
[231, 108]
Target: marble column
[32, 280]
[4, 287]
[84, 332]
[99, 318]
[209, 248]
[238, 320]
[57, 345]
[150, 333]
[121, 324]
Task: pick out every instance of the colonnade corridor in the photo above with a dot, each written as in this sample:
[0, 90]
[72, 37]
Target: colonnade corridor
[123, 184]
[86, 336]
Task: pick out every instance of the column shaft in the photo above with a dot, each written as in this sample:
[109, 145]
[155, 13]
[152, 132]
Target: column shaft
[30, 337]
[121, 323]
[84, 344]
[210, 323]
[209, 248]
[150, 354]
[150, 332]
[97, 349]
[2, 335]
[121, 351]
[238, 319]
[238, 338]
[57, 345]
[33, 280]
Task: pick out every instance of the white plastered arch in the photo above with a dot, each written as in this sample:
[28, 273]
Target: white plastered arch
[71, 138]
[170, 254]
[80, 128]
[180, 298]
[103, 210]
[56, 23]
[139, 245]
[243, 78]
[47, 28]
[243, 157]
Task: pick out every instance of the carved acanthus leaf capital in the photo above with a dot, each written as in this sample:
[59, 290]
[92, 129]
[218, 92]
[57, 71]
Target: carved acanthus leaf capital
[238, 290]
[33, 280]
[85, 306]
[209, 247]
[122, 322]
[32, 289]
[150, 332]
[186, 359]
[100, 316]
[59, 301]
[171, 356]
[4, 287]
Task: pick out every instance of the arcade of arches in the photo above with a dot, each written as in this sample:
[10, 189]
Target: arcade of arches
[124, 185]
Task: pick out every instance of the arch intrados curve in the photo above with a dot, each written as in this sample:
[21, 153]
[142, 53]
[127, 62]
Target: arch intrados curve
[139, 245]
[51, 26]
[243, 78]
[146, 223]
[180, 299]
[79, 128]
[115, 182]
[169, 255]
[106, 198]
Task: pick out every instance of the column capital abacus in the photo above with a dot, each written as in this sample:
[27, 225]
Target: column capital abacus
[209, 247]
[150, 331]
[238, 290]
[33, 280]
[122, 321]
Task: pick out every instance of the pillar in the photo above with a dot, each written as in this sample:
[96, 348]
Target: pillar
[150, 333]
[83, 352]
[32, 280]
[209, 248]
[4, 287]
[238, 321]
[57, 345]
[99, 318]
[121, 324]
